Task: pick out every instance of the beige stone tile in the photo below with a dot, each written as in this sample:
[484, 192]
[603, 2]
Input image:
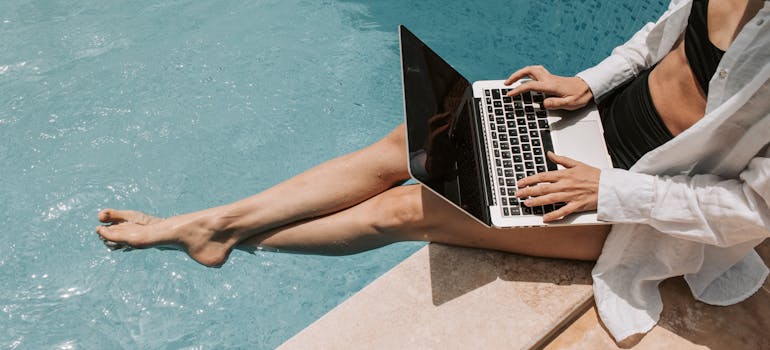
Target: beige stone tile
[686, 323]
[456, 298]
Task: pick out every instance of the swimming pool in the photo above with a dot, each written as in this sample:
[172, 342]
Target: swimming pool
[177, 105]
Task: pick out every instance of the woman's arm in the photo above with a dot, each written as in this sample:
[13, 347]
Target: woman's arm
[645, 48]
[701, 208]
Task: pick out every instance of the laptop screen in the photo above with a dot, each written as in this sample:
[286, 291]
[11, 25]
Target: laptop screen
[443, 152]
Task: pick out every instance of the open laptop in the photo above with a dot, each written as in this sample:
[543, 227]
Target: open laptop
[470, 143]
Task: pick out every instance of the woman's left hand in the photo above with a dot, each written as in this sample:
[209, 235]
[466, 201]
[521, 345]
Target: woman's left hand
[577, 186]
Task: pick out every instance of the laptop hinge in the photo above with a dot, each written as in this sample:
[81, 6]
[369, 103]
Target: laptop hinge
[480, 145]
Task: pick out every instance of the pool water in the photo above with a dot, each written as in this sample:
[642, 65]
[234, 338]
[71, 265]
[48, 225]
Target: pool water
[178, 105]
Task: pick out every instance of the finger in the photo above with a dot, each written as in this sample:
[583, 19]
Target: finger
[528, 71]
[557, 102]
[532, 85]
[551, 198]
[537, 190]
[567, 162]
[548, 176]
[570, 208]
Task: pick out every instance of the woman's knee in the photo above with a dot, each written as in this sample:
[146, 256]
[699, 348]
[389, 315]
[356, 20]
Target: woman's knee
[397, 209]
[396, 139]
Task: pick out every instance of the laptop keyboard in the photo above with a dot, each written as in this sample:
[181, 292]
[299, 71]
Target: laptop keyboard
[520, 137]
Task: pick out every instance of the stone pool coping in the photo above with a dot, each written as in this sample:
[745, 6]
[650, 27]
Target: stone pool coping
[446, 297]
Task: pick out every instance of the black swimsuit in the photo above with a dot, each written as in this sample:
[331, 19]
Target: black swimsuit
[632, 126]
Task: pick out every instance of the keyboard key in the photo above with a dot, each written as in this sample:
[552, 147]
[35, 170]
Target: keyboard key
[529, 165]
[542, 123]
[496, 94]
[532, 125]
[487, 93]
[508, 172]
[512, 132]
[540, 168]
[526, 97]
[498, 104]
[534, 134]
[507, 99]
[537, 151]
[542, 114]
[529, 109]
[507, 163]
[545, 136]
[498, 112]
[535, 142]
[527, 156]
[517, 158]
[506, 212]
[526, 147]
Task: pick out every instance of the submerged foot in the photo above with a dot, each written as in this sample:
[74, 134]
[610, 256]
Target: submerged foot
[138, 230]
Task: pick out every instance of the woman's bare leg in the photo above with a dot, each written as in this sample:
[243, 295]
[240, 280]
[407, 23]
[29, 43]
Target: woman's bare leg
[208, 236]
[412, 213]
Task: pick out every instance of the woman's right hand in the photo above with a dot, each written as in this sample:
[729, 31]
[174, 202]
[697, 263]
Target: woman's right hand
[564, 92]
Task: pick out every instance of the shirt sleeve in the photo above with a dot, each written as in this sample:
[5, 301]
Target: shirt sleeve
[645, 48]
[700, 208]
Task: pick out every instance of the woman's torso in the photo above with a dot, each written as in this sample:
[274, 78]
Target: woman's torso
[676, 94]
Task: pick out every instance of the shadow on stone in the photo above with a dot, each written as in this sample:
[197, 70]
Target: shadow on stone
[455, 271]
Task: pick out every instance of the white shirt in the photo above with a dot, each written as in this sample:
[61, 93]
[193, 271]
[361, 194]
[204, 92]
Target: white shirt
[698, 204]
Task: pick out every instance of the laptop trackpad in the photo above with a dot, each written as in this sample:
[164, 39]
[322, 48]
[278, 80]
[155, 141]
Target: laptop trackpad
[582, 141]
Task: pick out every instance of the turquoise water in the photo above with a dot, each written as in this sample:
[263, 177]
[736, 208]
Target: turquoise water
[173, 106]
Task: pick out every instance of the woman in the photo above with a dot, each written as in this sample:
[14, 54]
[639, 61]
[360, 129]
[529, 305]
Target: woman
[684, 104]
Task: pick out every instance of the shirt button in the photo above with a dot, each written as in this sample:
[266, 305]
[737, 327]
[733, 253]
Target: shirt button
[722, 73]
[760, 21]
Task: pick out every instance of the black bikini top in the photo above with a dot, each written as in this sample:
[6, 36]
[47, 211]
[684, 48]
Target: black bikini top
[702, 55]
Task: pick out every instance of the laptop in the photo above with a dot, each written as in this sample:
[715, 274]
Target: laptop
[469, 143]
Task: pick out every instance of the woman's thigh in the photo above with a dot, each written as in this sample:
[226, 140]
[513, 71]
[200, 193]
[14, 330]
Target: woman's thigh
[427, 217]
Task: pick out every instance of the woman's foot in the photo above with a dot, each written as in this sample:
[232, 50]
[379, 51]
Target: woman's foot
[192, 232]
